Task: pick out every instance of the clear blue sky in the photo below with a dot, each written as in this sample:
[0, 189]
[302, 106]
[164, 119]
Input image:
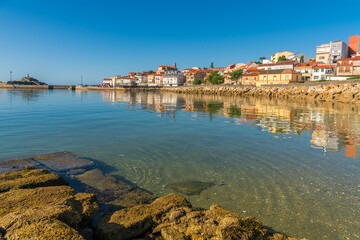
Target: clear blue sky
[58, 41]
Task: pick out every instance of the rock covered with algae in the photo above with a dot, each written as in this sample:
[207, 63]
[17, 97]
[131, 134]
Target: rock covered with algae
[36, 204]
[172, 218]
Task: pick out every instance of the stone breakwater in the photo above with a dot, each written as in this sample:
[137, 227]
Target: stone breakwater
[340, 92]
[39, 204]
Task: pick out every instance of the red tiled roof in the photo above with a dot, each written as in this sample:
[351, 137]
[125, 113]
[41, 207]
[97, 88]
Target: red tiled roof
[168, 66]
[107, 79]
[306, 64]
[354, 58]
[324, 65]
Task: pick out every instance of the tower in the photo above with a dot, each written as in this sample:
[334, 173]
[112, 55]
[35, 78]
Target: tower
[174, 64]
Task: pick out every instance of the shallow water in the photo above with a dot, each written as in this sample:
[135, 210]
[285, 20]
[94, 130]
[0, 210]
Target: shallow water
[292, 164]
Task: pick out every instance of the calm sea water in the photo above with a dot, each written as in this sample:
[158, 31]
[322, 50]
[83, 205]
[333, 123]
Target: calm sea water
[294, 165]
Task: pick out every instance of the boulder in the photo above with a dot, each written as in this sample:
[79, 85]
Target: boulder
[172, 218]
[39, 205]
[29, 178]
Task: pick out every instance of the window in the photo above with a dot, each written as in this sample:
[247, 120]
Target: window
[287, 77]
[322, 57]
[274, 78]
[264, 78]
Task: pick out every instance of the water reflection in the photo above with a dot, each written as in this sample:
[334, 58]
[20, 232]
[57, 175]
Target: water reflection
[27, 95]
[332, 130]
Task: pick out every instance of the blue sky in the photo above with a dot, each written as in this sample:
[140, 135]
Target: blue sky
[60, 41]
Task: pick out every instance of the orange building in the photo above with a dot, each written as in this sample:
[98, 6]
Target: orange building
[354, 45]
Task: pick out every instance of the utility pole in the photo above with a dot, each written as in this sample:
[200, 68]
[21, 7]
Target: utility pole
[81, 80]
[10, 75]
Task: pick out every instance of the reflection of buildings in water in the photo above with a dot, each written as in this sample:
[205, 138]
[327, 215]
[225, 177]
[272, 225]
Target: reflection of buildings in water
[332, 129]
[326, 140]
[352, 148]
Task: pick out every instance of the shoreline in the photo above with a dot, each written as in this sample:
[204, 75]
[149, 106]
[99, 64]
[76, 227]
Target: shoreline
[64, 196]
[344, 92]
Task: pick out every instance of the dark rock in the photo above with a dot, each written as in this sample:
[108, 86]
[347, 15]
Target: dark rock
[190, 187]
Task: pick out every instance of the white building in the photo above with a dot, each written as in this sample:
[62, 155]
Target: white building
[323, 71]
[172, 77]
[288, 64]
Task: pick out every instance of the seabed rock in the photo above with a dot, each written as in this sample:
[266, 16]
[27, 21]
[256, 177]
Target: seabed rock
[190, 187]
[38, 204]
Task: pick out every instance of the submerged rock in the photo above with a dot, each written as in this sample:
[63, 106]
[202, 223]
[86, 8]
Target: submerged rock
[111, 190]
[36, 204]
[190, 187]
[59, 162]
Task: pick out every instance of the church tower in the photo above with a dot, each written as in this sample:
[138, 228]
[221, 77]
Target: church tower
[174, 64]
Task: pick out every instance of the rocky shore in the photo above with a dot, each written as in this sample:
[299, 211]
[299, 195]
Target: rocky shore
[346, 92]
[63, 196]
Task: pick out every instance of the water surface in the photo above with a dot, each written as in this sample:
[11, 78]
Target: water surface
[292, 164]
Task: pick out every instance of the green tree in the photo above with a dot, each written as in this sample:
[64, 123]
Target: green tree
[262, 58]
[215, 78]
[301, 59]
[212, 65]
[235, 75]
[197, 82]
[282, 58]
[151, 71]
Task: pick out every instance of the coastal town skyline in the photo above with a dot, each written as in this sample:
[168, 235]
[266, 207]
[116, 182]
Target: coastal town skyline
[96, 44]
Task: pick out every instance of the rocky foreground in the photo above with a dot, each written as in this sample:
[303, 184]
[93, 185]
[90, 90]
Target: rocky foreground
[39, 204]
[346, 92]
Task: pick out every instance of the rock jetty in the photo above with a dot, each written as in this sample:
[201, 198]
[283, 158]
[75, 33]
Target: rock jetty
[43, 204]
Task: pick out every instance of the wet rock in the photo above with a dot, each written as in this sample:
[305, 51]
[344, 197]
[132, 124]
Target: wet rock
[132, 222]
[62, 161]
[110, 190]
[34, 208]
[29, 178]
[172, 218]
[190, 187]
[59, 162]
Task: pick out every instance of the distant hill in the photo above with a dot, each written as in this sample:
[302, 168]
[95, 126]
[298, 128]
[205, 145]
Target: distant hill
[27, 81]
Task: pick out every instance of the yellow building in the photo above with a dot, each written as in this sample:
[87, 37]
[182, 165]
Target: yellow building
[280, 76]
[275, 57]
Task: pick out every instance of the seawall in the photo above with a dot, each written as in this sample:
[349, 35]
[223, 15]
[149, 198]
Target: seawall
[346, 92]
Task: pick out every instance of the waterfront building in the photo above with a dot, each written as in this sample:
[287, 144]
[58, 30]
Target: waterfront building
[196, 74]
[331, 52]
[251, 76]
[298, 56]
[108, 81]
[235, 67]
[306, 70]
[349, 67]
[142, 78]
[159, 79]
[172, 77]
[278, 76]
[288, 64]
[323, 71]
[275, 57]
[163, 68]
[151, 78]
[354, 46]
